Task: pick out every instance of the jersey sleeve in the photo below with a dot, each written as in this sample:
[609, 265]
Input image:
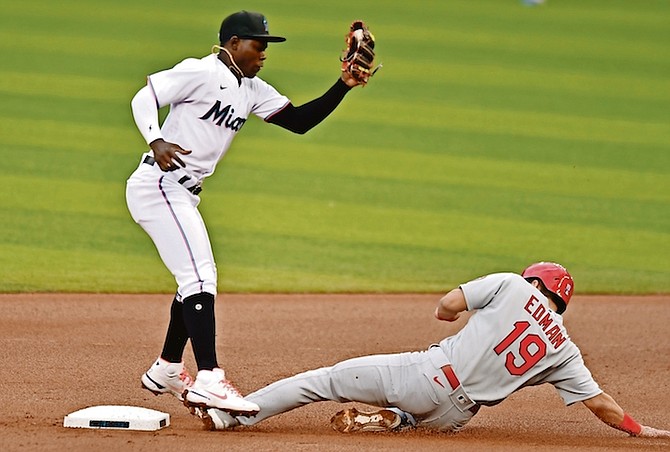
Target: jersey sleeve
[267, 99]
[574, 381]
[481, 291]
[179, 83]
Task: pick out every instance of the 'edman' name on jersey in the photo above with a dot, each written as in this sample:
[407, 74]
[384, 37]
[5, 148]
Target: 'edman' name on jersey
[542, 315]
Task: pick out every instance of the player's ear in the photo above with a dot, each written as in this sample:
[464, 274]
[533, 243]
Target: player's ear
[234, 42]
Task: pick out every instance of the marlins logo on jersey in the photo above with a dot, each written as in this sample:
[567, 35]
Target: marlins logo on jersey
[224, 116]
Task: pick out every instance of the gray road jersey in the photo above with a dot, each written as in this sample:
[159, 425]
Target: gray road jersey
[514, 340]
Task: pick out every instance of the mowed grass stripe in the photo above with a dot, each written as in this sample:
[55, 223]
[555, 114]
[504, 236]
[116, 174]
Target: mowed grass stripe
[510, 38]
[305, 217]
[66, 196]
[63, 86]
[60, 134]
[437, 262]
[567, 82]
[502, 202]
[34, 268]
[406, 165]
[514, 122]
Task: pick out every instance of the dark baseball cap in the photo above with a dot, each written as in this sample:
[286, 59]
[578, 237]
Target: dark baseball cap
[247, 25]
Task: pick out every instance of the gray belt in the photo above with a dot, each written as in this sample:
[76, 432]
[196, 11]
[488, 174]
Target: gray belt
[195, 189]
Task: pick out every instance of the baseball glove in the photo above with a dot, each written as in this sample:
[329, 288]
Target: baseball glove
[359, 56]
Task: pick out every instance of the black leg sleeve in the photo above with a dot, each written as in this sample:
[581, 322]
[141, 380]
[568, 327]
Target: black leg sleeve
[177, 335]
[200, 324]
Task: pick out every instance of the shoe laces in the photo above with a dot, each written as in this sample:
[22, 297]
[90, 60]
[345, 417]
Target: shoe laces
[228, 386]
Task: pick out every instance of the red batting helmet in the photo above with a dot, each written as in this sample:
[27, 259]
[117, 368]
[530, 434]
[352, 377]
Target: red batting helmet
[555, 278]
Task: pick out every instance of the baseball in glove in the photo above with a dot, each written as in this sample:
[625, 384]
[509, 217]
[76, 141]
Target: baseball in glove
[359, 56]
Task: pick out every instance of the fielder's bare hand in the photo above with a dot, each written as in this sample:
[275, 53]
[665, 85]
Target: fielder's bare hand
[167, 154]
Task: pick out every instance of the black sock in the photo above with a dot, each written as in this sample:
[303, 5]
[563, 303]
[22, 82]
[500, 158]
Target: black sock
[177, 335]
[198, 313]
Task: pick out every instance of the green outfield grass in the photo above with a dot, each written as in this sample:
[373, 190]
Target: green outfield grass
[495, 135]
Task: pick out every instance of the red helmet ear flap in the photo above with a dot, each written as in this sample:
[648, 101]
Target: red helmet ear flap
[555, 278]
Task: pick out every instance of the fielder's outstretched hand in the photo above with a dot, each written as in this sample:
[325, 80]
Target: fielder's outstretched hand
[359, 56]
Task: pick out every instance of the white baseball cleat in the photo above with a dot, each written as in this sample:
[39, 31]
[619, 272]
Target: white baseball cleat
[352, 420]
[212, 390]
[214, 419]
[164, 377]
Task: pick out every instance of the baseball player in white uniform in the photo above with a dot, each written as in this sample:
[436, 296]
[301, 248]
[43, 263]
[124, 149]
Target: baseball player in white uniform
[514, 339]
[210, 100]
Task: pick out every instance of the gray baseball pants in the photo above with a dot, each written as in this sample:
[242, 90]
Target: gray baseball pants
[413, 382]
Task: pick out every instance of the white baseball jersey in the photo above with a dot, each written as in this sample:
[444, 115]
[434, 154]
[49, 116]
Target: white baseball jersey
[514, 340]
[208, 107]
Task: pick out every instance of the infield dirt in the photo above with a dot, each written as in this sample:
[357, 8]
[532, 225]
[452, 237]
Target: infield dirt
[64, 352]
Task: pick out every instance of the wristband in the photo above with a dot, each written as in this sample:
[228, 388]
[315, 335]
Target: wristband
[630, 425]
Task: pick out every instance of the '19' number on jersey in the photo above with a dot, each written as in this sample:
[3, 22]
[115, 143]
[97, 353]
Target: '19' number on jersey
[531, 349]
